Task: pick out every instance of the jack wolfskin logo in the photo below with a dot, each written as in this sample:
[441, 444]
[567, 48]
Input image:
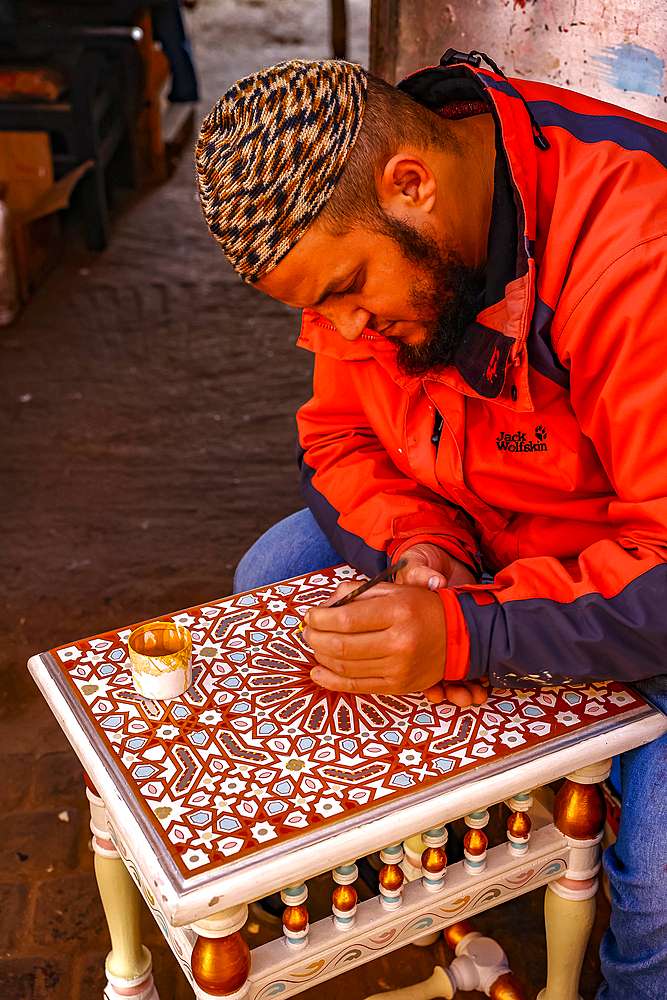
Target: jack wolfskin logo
[518, 442]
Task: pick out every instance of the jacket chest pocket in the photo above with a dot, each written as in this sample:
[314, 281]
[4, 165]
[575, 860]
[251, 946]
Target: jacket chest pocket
[529, 462]
[447, 440]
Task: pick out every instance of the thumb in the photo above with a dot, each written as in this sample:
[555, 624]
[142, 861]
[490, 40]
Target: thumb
[424, 576]
[342, 590]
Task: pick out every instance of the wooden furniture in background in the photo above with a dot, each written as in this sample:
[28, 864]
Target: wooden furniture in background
[338, 29]
[94, 118]
[31, 197]
[149, 127]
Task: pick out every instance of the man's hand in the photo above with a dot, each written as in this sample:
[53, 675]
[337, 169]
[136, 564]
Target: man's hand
[392, 639]
[461, 693]
[430, 566]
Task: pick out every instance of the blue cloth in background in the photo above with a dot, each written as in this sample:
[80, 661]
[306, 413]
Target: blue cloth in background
[169, 31]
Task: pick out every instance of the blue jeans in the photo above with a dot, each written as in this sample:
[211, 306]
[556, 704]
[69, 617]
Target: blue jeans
[633, 953]
[292, 547]
[634, 949]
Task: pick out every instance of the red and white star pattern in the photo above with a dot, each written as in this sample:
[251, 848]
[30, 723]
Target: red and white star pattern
[255, 752]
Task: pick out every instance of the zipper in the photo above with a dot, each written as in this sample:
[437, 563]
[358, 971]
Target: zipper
[330, 326]
[437, 429]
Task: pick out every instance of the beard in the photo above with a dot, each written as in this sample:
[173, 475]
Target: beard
[446, 296]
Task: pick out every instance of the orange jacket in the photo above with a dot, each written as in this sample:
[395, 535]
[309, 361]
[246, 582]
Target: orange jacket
[551, 465]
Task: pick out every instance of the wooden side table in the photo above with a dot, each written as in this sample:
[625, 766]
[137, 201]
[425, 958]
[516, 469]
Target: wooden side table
[256, 780]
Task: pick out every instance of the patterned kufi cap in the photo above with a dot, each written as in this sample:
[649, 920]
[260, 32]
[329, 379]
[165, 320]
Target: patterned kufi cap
[270, 153]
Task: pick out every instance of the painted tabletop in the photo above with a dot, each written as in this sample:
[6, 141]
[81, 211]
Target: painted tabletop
[255, 753]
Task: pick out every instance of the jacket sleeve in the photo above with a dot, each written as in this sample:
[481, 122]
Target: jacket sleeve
[368, 509]
[606, 618]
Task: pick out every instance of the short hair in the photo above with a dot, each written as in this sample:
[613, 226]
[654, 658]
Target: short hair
[392, 120]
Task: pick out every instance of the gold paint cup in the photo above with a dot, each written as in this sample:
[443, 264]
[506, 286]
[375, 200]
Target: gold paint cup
[161, 657]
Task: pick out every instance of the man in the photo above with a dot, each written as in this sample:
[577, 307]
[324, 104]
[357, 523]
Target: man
[482, 266]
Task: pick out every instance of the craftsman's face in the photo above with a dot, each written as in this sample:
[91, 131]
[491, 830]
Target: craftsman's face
[399, 283]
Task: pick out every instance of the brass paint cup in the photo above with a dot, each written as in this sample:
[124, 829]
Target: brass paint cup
[161, 657]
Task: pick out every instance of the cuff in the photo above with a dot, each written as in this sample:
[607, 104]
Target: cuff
[458, 639]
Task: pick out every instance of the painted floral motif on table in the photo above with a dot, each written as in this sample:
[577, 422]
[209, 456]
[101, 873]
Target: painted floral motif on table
[255, 751]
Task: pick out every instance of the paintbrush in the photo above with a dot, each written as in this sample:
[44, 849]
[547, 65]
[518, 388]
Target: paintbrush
[380, 578]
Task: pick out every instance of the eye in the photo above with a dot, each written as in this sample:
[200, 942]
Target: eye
[355, 285]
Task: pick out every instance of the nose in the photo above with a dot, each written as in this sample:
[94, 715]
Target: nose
[350, 323]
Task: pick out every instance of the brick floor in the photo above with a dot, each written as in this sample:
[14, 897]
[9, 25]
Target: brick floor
[35, 978]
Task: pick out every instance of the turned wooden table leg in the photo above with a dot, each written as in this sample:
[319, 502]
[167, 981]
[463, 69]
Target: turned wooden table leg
[420, 849]
[344, 900]
[128, 965]
[476, 842]
[569, 905]
[220, 957]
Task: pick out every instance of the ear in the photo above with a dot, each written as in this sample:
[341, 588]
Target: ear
[407, 183]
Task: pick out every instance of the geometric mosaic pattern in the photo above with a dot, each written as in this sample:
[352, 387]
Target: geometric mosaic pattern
[254, 751]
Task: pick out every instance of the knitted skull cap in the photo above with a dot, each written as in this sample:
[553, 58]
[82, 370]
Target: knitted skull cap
[270, 153]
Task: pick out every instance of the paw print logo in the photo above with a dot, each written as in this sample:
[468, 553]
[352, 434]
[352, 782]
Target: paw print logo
[540, 432]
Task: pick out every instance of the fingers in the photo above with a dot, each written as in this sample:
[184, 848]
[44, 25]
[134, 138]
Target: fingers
[458, 694]
[406, 576]
[478, 692]
[465, 693]
[343, 682]
[342, 590]
[435, 694]
[425, 562]
[394, 640]
[461, 575]
[432, 567]
[347, 651]
[370, 612]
